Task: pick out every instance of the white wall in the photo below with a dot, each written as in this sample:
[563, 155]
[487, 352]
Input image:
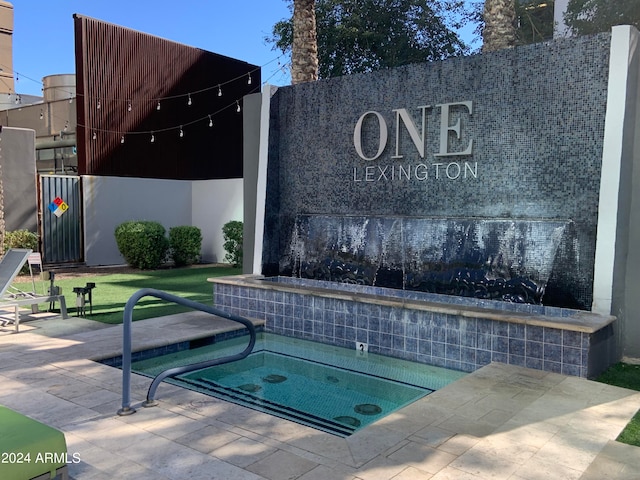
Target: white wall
[109, 201]
[215, 202]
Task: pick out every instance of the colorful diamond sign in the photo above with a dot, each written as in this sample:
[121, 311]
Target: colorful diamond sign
[58, 206]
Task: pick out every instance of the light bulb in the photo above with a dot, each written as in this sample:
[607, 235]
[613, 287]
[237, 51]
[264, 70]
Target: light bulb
[70, 98]
[181, 132]
[238, 106]
[122, 139]
[158, 106]
[189, 101]
[153, 138]
[41, 115]
[249, 80]
[94, 136]
[98, 105]
[210, 121]
[219, 91]
[66, 126]
[129, 106]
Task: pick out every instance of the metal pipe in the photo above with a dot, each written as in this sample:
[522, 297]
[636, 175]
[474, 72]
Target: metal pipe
[70, 142]
[126, 344]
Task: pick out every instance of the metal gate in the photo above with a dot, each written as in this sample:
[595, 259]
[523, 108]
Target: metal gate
[60, 212]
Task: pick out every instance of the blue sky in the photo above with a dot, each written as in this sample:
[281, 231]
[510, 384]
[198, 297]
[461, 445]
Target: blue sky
[43, 39]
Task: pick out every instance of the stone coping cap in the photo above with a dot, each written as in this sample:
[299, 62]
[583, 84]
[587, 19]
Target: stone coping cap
[580, 321]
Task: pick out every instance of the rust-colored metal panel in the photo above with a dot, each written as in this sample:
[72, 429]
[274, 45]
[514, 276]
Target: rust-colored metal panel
[149, 107]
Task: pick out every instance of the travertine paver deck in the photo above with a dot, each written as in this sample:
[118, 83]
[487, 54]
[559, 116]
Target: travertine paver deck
[501, 422]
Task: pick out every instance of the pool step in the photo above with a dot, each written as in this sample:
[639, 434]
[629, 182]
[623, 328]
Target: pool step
[241, 397]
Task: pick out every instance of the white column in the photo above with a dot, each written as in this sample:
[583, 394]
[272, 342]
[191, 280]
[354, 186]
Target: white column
[621, 50]
[261, 186]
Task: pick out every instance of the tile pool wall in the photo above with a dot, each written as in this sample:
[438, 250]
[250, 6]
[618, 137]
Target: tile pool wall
[453, 332]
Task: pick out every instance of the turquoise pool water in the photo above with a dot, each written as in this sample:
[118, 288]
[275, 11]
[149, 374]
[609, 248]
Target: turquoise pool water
[330, 388]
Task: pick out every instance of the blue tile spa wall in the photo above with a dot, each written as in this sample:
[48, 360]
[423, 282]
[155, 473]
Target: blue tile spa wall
[515, 134]
[417, 334]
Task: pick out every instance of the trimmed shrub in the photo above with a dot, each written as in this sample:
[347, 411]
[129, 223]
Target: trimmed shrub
[185, 243]
[232, 234]
[143, 244]
[21, 239]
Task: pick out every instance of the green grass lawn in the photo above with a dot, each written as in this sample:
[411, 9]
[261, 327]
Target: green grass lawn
[113, 290]
[627, 376]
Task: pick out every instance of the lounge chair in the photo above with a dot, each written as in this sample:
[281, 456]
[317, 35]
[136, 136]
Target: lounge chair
[12, 298]
[30, 449]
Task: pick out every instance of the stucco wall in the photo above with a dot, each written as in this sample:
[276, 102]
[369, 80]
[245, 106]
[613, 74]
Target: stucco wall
[109, 201]
[18, 160]
[215, 202]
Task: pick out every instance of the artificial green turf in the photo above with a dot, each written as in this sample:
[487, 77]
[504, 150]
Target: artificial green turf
[631, 433]
[112, 291]
[627, 376]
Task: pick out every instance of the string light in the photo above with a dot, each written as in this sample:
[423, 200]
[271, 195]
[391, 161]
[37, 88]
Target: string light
[180, 128]
[249, 80]
[98, 105]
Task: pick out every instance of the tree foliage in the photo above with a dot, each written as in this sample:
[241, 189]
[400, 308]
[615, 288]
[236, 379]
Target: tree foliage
[585, 17]
[535, 21]
[357, 36]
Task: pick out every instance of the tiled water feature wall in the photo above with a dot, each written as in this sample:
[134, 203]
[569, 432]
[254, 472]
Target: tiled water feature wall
[514, 135]
[443, 330]
[450, 207]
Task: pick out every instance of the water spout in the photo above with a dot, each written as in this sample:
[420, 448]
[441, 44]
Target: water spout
[503, 259]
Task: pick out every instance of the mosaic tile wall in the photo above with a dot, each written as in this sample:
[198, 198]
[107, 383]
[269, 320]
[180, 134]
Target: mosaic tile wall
[537, 126]
[428, 337]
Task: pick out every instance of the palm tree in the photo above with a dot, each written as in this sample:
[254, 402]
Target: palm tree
[304, 50]
[499, 25]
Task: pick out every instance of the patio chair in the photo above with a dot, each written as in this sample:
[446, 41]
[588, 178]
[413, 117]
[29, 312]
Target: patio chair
[30, 449]
[13, 298]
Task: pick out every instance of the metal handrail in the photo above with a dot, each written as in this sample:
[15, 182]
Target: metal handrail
[126, 345]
